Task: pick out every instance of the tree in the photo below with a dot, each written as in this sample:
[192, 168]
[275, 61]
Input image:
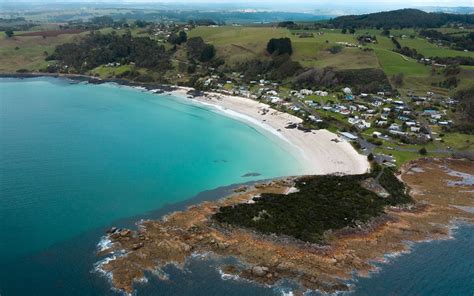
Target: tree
[423, 151]
[179, 38]
[385, 32]
[207, 53]
[141, 24]
[335, 49]
[9, 33]
[199, 50]
[397, 79]
[344, 31]
[370, 157]
[279, 46]
[352, 30]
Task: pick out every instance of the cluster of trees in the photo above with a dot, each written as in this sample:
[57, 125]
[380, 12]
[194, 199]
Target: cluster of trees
[15, 24]
[449, 83]
[316, 77]
[465, 110]
[454, 41]
[97, 49]
[459, 60]
[198, 50]
[351, 31]
[279, 46]
[99, 22]
[279, 67]
[322, 203]
[9, 33]
[359, 80]
[409, 52]
[366, 38]
[179, 38]
[402, 18]
[287, 24]
[364, 80]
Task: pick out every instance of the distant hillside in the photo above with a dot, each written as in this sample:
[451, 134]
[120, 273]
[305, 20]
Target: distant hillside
[403, 18]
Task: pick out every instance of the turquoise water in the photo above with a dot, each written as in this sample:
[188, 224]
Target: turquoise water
[76, 156]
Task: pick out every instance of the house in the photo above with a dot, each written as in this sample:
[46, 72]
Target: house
[394, 127]
[429, 112]
[347, 91]
[306, 92]
[400, 103]
[348, 136]
[395, 132]
[376, 103]
[275, 100]
[415, 129]
[403, 118]
[377, 134]
[272, 93]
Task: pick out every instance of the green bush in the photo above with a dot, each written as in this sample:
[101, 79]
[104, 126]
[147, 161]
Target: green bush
[322, 203]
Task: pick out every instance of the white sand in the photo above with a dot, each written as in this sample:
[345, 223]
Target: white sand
[315, 150]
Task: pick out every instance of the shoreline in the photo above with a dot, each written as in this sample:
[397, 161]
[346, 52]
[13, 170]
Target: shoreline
[266, 259]
[319, 152]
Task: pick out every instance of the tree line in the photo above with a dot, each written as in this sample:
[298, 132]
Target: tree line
[402, 18]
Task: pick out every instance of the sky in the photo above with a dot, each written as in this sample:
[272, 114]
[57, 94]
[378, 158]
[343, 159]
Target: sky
[319, 7]
[314, 3]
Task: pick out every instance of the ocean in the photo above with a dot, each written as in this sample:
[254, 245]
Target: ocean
[77, 158]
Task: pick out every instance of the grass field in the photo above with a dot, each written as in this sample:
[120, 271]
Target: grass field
[236, 44]
[28, 52]
[430, 50]
[402, 157]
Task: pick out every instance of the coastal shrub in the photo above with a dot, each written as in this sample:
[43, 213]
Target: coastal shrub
[394, 186]
[322, 203]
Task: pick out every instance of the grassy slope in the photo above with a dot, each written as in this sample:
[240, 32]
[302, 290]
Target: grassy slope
[29, 53]
[429, 49]
[312, 52]
[240, 43]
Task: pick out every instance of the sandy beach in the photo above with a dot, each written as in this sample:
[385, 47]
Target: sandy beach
[317, 150]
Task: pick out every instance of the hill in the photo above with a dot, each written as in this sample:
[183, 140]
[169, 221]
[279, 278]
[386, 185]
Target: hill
[402, 18]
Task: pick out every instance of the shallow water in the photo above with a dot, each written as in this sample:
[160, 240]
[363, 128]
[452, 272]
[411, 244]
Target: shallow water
[76, 156]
